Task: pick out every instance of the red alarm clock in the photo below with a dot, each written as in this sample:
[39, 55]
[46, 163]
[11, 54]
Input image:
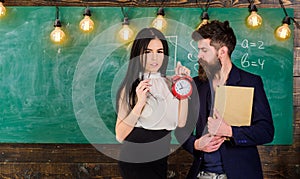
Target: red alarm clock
[182, 86]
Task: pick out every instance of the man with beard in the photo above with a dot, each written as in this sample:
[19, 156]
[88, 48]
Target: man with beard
[222, 151]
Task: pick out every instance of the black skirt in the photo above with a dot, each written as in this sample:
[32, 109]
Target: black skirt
[144, 154]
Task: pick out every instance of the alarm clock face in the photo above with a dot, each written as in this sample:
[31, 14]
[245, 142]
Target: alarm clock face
[183, 87]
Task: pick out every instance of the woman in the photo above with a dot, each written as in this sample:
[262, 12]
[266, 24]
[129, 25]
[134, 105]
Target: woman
[147, 110]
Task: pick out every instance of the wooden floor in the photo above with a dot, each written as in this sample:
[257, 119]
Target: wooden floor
[70, 161]
[67, 161]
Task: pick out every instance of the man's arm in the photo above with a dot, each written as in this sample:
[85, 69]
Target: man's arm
[261, 130]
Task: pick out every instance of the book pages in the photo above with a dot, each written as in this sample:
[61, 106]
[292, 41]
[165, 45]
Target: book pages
[234, 104]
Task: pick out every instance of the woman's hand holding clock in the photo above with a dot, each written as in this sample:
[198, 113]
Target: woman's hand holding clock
[182, 70]
[182, 82]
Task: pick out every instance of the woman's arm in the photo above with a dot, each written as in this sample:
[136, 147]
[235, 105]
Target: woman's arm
[183, 104]
[182, 112]
[127, 119]
[125, 123]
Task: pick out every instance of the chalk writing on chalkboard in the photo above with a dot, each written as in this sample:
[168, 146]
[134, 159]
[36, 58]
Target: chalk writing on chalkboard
[192, 55]
[245, 60]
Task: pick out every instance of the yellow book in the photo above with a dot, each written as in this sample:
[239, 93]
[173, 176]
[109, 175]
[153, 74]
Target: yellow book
[234, 104]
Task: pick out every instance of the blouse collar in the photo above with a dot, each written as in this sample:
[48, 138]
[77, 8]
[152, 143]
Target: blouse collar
[152, 75]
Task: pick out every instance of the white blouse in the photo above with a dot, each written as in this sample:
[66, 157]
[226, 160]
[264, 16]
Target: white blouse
[161, 109]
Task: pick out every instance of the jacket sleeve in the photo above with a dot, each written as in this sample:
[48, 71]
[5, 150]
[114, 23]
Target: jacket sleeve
[261, 130]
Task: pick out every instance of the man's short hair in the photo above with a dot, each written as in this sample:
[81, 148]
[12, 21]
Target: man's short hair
[220, 34]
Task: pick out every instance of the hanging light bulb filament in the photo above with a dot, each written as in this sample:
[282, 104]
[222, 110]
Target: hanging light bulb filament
[126, 33]
[254, 20]
[57, 35]
[283, 32]
[160, 22]
[86, 24]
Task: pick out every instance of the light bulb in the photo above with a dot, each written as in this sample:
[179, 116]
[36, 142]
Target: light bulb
[2, 9]
[254, 20]
[204, 21]
[204, 18]
[283, 32]
[160, 22]
[57, 35]
[86, 24]
[126, 34]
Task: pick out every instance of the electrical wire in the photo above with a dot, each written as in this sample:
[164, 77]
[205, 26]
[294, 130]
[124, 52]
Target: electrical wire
[286, 14]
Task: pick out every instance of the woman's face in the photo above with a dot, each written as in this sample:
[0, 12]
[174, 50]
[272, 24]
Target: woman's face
[154, 55]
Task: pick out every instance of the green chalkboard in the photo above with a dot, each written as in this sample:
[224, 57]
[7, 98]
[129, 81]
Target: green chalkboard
[66, 93]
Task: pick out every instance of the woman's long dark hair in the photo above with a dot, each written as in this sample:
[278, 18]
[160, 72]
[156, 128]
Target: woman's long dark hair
[136, 66]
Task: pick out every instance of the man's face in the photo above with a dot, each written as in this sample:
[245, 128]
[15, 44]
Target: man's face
[208, 58]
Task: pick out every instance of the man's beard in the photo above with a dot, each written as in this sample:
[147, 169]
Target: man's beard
[210, 69]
